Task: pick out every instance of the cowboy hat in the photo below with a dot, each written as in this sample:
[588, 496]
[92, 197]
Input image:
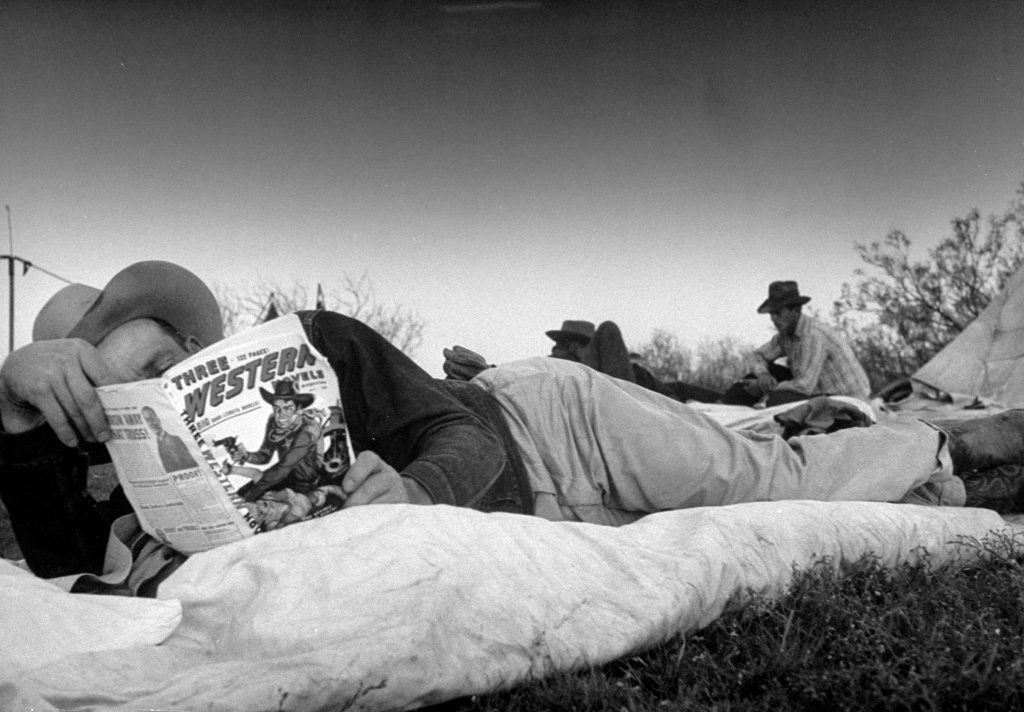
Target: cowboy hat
[285, 390]
[154, 290]
[782, 294]
[581, 330]
[62, 311]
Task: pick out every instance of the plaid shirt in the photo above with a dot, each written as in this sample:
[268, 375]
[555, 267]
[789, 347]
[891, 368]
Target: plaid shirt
[820, 359]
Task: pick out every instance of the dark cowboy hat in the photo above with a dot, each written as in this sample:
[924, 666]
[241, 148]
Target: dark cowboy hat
[782, 294]
[285, 390]
[155, 290]
[582, 330]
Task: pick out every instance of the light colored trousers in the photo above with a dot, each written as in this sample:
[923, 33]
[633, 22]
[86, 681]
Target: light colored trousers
[603, 450]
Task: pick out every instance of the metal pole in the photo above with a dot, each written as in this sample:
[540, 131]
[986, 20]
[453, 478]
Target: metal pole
[10, 278]
[25, 265]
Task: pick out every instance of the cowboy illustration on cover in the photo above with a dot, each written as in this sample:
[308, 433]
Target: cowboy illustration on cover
[305, 450]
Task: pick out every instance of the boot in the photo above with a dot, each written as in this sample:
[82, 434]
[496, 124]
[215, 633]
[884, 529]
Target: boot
[984, 443]
[1000, 488]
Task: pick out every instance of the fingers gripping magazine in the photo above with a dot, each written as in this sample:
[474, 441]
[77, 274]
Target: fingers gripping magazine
[246, 436]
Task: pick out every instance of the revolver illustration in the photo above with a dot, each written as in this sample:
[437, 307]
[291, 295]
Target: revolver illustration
[230, 443]
[336, 457]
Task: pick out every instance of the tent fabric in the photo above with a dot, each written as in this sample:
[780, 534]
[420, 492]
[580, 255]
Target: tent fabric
[986, 360]
[399, 606]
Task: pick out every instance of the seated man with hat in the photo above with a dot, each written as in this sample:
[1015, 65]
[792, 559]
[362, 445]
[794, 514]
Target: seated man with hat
[819, 360]
[571, 339]
[602, 348]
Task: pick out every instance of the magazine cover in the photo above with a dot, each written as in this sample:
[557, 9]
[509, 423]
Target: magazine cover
[243, 437]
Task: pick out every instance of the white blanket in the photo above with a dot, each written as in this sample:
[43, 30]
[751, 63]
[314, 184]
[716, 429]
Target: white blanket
[399, 606]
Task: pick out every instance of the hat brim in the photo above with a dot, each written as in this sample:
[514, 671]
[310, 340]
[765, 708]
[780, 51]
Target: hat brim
[556, 335]
[302, 400]
[769, 305]
[154, 290]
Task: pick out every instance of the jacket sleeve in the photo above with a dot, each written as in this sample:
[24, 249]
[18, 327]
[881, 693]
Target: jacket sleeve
[397, 410]
[60, 529]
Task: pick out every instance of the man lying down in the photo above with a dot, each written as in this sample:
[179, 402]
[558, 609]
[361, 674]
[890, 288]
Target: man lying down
[541, 436]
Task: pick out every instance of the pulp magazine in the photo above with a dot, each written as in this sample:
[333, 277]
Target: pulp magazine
[245, 436]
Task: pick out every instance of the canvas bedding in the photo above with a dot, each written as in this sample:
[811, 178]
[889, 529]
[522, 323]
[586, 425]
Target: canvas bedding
[400, 606]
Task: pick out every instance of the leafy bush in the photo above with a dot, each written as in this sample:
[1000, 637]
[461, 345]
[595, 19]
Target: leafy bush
[904, 311]
[717, 364]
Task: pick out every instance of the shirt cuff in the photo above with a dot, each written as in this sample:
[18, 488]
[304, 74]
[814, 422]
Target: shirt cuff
[431, 479]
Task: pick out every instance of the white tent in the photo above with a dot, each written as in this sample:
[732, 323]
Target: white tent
[987, 359]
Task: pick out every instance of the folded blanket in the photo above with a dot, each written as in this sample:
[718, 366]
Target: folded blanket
[397, 606]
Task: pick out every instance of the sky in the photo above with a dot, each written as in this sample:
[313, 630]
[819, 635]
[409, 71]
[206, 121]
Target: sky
[499, 166]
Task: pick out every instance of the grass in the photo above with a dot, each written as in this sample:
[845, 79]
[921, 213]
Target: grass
[870, 638]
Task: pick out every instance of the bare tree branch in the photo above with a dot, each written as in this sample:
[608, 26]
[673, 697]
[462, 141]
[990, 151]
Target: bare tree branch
[919, 307]
[243, 307]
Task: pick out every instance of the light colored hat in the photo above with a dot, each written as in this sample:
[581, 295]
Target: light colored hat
[63, 310]
[155, 290]
[582, 330]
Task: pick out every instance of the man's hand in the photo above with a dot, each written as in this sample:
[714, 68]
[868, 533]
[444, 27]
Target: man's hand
[370, 480]
[790, 387]
[239, 454]
[461, 364]
[54, 381]
[766, 382]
